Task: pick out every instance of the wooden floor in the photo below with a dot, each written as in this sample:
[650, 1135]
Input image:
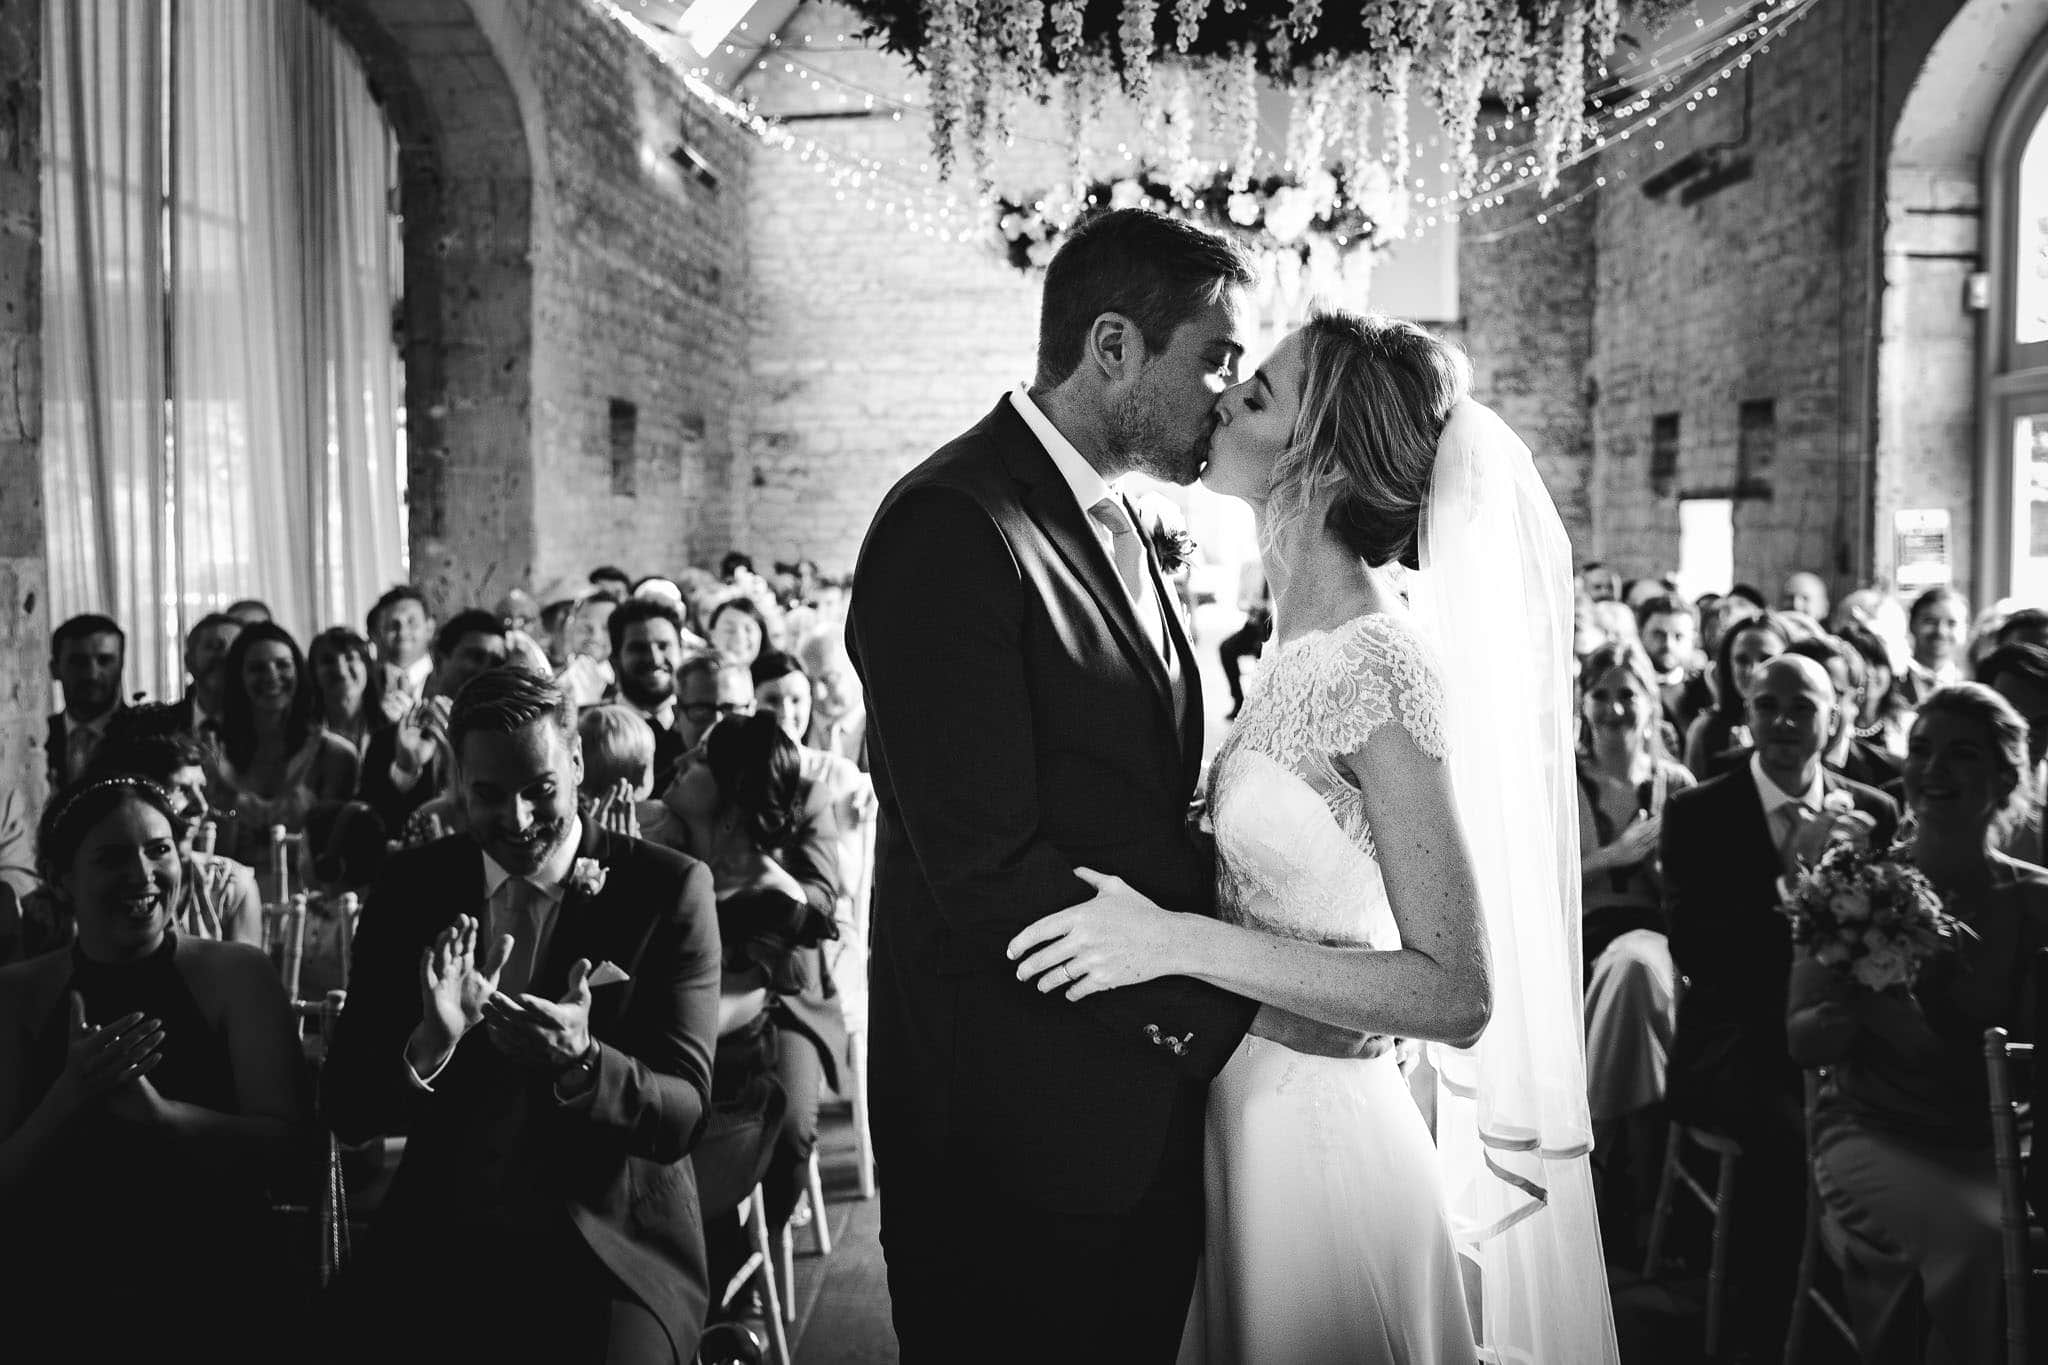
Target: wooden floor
[843, 1299]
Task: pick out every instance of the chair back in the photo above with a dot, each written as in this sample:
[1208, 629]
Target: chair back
[205, 837]
[1999, 1054]
[284, 848]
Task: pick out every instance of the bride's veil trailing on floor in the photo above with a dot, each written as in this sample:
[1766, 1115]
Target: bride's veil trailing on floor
[1494, 599]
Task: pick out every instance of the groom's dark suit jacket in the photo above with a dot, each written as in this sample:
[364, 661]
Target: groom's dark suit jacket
[1730, 1066]
[491, 1155]
[1021, 724]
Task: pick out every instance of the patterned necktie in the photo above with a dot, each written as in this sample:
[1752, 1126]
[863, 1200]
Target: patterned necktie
[1124, 550]
[1791, 818]
[518, 916]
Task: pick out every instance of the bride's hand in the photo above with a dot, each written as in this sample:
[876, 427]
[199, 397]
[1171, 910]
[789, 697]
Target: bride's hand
[1115, 938]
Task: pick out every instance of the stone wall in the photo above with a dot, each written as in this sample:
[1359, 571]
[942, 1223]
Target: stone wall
[24, 619]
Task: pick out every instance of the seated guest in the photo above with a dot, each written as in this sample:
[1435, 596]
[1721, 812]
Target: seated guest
[740, 809]
[402, 626]
[588, 675]
[1624, 779]
[1885, 717]
[646, 647]
[519, 611]
[2027, 626]
[206, 657]
[217, 897]
[1902, 1149]
[553, 633]
[1744, 648]
[1856, 759]
[524, 652]
[148, 1081]
[1939, 624]
[406, 765]
[2019, 673]
[1247, 641]
[250, 611]
[545, 1181]
[349, 684]
[342, 853]
[707, 689]
[1725, 845]
[1805, 595]
[610, 581]
[618, 775]
[87, 654]
[839, 721]
[738, 630]
[274, 760]
[1669, 628]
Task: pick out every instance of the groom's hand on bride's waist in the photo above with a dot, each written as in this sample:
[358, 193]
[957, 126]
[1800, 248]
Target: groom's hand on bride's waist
[1301, 1034]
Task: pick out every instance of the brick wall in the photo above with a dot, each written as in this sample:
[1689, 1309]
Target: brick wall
[24, 623]
[869, 345]
[638, 272]
[1753, 293]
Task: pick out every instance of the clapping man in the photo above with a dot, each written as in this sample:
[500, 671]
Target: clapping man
[206, 653]
[402, 628]
[1670, 631]
[534, 1003]
[405, 765]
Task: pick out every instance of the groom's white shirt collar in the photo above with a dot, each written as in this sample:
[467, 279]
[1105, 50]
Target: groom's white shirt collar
[1089, 487]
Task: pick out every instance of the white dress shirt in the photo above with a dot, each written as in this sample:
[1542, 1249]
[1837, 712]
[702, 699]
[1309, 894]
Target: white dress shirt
[413, 677]
[548, 883]
[1090, 488]
[1776, 798]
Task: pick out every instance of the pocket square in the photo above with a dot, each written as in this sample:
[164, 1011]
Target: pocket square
[606, 974]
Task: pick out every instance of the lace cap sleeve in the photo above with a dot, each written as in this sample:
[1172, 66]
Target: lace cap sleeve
[1377, 671]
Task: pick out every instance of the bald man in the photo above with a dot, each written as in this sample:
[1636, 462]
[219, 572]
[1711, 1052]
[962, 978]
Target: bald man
[1725, 845]
[1807, 595]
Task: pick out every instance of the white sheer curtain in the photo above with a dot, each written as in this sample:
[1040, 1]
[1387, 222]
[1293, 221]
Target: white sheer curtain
[274, 469]
[104, 472]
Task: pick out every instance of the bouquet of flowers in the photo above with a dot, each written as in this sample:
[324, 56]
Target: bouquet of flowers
[1870, 915]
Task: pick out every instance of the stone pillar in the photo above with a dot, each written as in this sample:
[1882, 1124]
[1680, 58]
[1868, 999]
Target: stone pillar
[24, 623]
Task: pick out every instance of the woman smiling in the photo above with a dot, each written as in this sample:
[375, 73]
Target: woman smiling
[147, 1079]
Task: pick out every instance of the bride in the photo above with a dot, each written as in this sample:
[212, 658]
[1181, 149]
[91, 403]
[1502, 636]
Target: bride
[1396, 858]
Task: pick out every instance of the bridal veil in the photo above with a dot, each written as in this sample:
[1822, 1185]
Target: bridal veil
[1494, 600]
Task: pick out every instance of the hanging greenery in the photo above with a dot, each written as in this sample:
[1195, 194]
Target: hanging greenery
[1350, 63]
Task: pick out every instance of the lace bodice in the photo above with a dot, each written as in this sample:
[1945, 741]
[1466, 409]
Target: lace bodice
[1295, 850]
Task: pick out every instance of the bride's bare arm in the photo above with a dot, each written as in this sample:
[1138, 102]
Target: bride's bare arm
[1437, 985]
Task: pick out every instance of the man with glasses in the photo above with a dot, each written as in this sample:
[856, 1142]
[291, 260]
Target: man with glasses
[707, 687]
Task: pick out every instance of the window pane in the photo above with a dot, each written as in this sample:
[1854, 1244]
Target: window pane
[2030, 285]
[2030, 506]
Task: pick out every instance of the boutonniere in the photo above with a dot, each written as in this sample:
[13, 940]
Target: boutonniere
[1838, 802]
[587, 876]
[1175, 549]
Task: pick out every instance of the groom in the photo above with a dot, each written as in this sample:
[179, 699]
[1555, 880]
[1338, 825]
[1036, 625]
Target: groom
[1033, 706]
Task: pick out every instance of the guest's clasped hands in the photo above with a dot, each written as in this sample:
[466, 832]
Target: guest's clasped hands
[459, 991]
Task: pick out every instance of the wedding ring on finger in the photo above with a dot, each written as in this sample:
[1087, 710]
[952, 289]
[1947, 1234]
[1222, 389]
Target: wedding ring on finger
[1066, 975]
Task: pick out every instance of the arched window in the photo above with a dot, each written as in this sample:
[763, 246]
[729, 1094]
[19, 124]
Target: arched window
[2014, 393]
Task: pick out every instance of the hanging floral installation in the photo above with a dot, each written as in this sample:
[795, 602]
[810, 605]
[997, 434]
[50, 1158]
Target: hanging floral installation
[1195, 67]
[1292, 224]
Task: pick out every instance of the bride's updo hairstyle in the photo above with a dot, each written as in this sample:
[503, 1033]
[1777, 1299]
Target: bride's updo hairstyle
[1375, 394]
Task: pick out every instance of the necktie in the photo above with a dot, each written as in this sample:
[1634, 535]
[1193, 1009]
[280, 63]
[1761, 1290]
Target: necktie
[519, 916]
[1124, 550]
[1791, 817]
[79, 745]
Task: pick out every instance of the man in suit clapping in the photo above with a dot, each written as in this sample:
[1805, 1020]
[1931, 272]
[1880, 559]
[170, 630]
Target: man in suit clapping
[533, 1003]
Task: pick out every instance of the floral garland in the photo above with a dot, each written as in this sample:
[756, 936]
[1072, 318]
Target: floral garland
[1352, 60]
[1276, 214]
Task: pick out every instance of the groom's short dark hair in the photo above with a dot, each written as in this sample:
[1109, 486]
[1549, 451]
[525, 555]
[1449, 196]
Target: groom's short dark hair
[1156, 271]
[503, 701]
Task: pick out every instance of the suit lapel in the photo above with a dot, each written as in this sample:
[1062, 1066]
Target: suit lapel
[1050, 504]
[1748, 808]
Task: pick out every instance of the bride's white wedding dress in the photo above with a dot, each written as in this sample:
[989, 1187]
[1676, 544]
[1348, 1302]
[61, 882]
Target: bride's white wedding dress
[1328, 1239]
